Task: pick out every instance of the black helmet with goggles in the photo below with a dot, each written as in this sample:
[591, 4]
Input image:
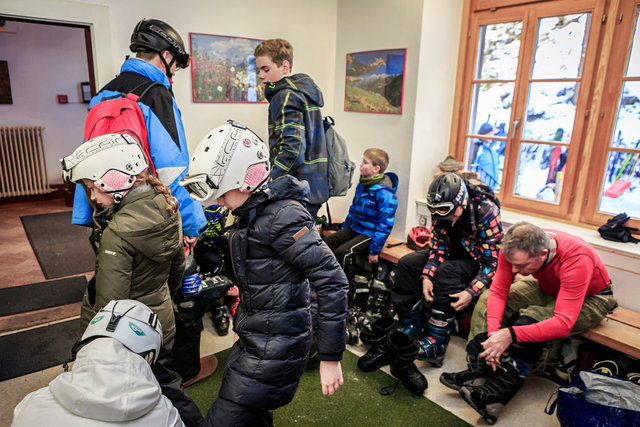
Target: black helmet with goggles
[446, 193]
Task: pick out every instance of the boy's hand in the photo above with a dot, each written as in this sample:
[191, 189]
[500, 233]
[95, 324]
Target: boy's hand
[330, 377]
[190, 241]
[427, 289]
[463, 299]
[373, 259]
[233, 291]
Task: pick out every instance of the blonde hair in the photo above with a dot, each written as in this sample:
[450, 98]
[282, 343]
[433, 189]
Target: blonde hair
[378, 157]
[146, 178]
[277, 49]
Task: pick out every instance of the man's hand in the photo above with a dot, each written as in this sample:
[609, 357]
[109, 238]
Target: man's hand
[494, 346]
[462, 298]
[330, 377]
[373, 259]
[233, 291]
[427, 289]
[190, 241]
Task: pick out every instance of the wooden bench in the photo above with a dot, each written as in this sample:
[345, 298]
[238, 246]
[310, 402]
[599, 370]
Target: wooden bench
[620, 330]
[397, 250]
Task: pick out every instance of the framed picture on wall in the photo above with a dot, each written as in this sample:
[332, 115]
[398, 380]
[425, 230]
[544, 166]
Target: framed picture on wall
[375, 81]
[223, 69]
[5, 84]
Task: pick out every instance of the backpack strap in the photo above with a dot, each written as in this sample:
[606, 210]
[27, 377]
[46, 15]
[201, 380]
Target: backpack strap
[144, 92]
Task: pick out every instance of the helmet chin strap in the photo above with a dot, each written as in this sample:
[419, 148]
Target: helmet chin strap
[168, 66]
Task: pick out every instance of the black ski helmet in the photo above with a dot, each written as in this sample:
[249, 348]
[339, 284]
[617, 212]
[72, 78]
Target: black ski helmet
[156, 35]
[446, 193]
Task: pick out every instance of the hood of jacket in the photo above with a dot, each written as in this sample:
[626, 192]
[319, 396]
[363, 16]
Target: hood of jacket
[298, 82]
[390, 181]
[107, 383]
[281, 188]
[142, 220]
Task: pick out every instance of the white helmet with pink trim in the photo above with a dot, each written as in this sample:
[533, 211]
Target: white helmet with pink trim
[230, 157]
[112, 161]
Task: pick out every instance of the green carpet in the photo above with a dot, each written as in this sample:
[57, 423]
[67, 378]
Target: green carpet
[356, 403]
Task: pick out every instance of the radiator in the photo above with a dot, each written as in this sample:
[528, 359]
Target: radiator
[23, 170]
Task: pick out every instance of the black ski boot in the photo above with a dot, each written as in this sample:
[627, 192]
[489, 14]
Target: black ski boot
[498, 389]
[378, 354]
[379, 299]
[360, 287]
[221, 319]
[475, 372]
[403, 351]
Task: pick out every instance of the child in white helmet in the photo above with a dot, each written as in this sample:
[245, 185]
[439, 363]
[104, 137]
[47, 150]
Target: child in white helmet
[115, 351]
[277, 258]
[140, 254]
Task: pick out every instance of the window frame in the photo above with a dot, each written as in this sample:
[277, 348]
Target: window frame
[599, 92]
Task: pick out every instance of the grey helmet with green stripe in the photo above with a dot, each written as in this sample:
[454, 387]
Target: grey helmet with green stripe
[230, 157]
[131, 323]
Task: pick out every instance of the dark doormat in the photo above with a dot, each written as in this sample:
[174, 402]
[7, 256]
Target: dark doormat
[36, 296]
[62, 249]
[37, 349]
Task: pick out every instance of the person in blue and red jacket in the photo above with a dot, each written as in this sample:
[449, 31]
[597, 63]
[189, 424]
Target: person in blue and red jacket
[460, 262]
[160, 53]
[372, 212]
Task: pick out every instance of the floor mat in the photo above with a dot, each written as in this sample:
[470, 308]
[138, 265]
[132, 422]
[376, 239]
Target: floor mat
[37, 349]
[62, 249]
[36, 296]
[357, 402]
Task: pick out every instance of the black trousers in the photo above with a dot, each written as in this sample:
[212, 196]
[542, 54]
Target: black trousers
[453, 275]
[225, 413]
[346, 242]
[186, 348]
[171, 385]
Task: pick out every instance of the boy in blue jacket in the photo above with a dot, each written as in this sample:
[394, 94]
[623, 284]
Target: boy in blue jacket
[372, 212]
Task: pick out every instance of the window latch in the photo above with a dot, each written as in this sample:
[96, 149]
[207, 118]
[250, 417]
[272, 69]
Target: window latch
[516, 123]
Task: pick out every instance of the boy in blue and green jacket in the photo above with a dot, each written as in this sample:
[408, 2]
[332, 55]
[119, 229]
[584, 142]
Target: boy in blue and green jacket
[297, 143]
[372, 212]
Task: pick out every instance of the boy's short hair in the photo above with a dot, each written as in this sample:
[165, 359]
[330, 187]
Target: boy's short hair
[277, 49]
[378, 157]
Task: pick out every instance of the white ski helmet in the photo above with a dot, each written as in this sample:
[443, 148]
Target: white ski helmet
[112, 161]
[230, 157]
[131, 323]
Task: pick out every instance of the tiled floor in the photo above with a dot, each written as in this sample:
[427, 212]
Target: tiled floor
[18, 266]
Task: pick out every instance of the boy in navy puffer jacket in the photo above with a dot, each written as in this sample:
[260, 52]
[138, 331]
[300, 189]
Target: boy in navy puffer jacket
[277, 259]
[372, 212]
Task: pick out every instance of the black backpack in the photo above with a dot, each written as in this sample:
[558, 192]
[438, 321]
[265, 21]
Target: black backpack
[616, 231]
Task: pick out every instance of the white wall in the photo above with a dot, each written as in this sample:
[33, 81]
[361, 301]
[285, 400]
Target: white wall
[365, 25]
[439, 45]
[416, 139]
[44, 61]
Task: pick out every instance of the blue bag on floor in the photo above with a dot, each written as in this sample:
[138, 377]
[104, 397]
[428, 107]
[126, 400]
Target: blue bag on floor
[594, 399]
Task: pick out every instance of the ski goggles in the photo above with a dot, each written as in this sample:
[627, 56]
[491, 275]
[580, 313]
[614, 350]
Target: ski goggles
[200, 186]
[441, 209]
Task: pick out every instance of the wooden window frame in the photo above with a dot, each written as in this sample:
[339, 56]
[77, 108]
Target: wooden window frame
[600, 88]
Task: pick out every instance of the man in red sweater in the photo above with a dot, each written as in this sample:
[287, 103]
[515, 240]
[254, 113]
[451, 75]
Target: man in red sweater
[566, 291]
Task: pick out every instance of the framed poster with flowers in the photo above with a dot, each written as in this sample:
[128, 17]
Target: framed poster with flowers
[223, 69]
